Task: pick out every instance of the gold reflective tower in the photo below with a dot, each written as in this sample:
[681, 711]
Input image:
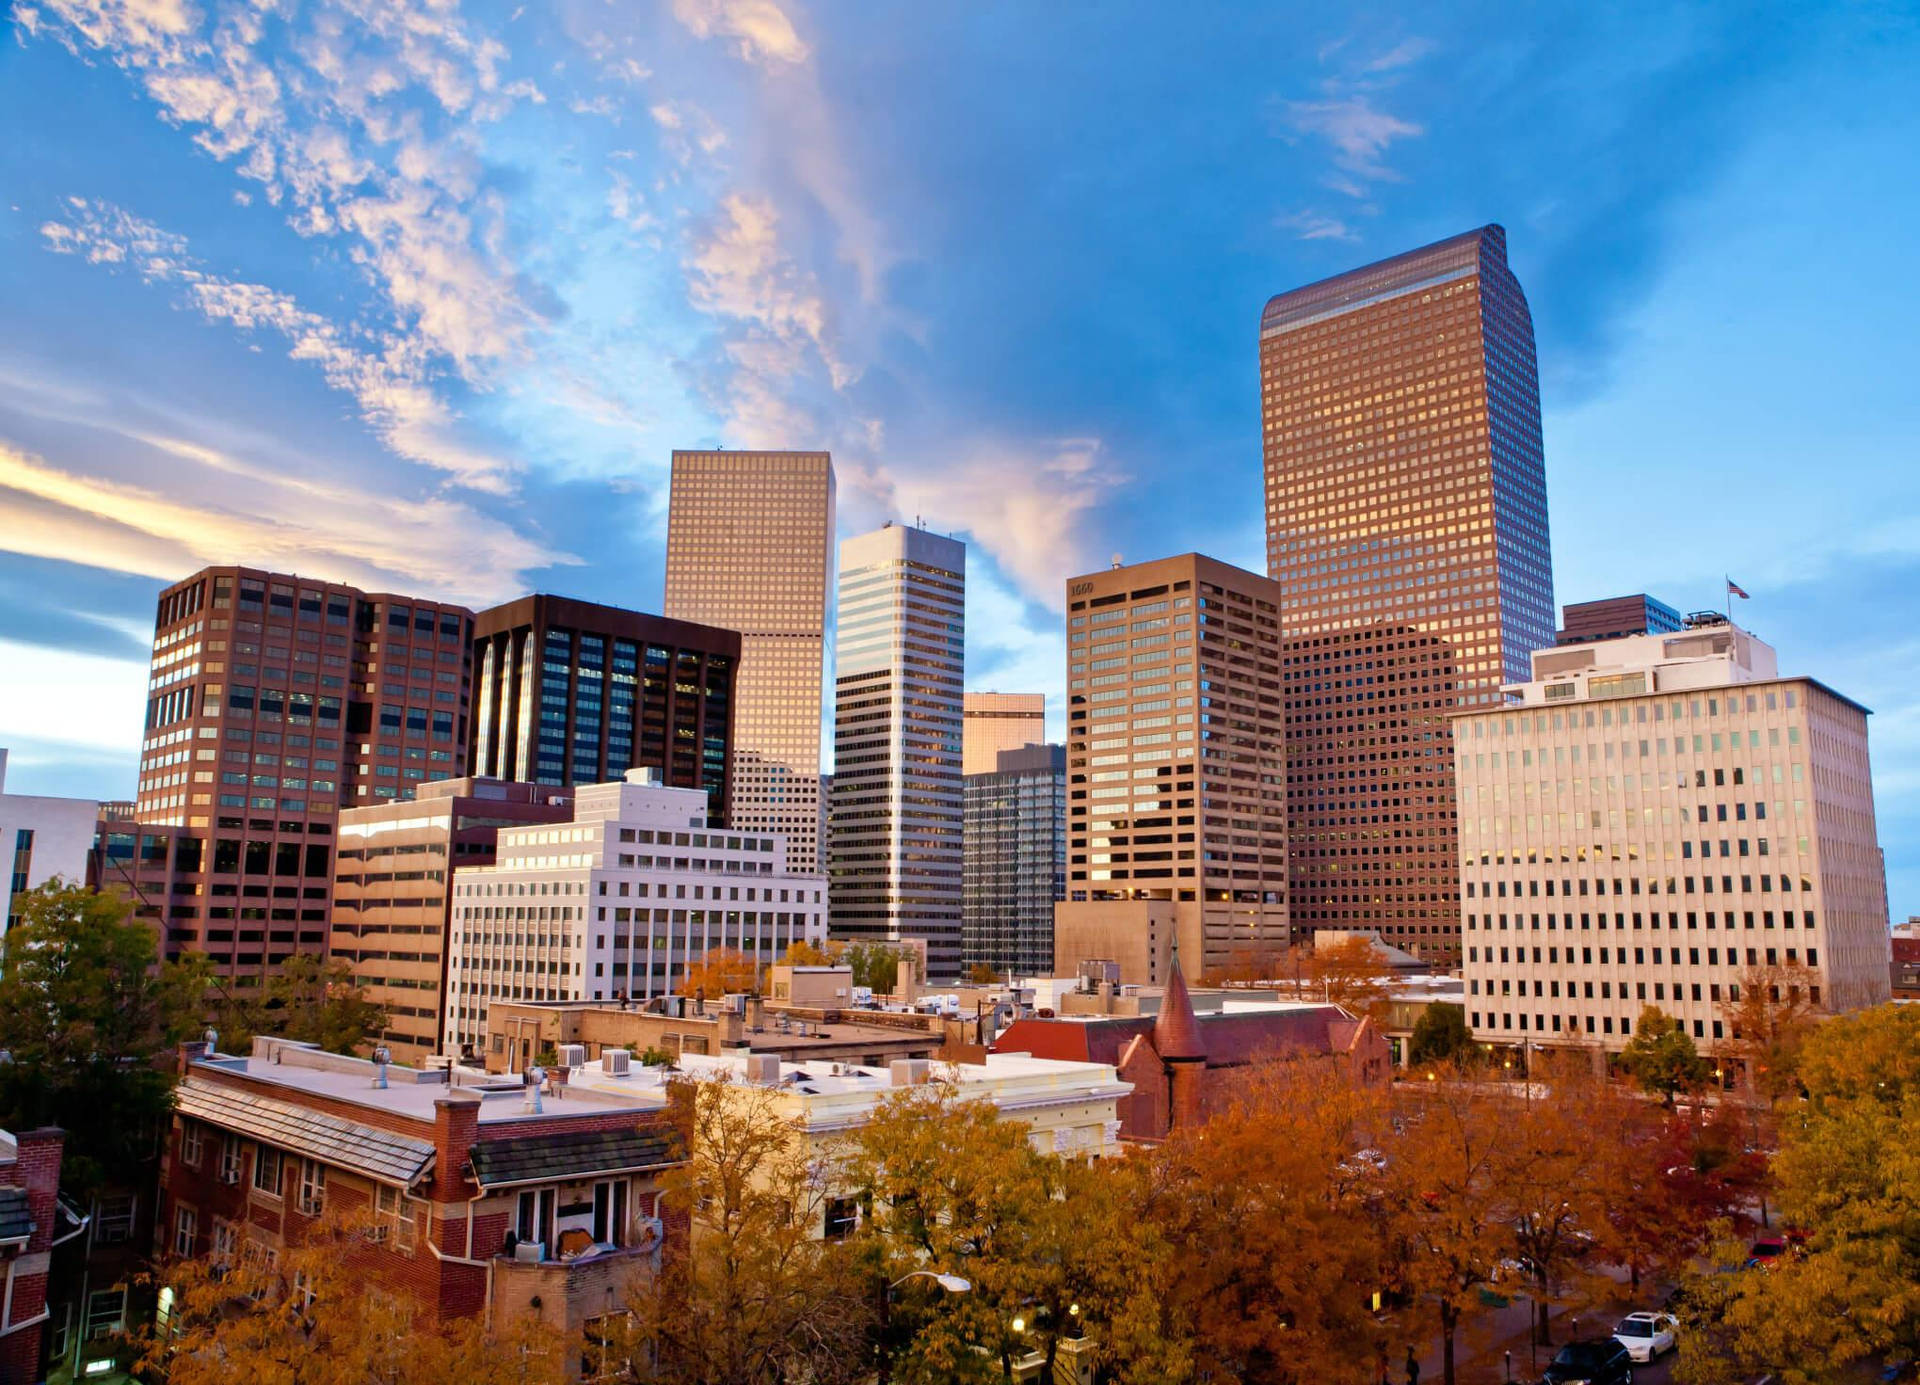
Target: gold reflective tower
[1407, 525]
[750, 548]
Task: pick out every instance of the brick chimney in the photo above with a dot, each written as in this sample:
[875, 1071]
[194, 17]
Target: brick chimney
[456, 1125]
[38, 1171]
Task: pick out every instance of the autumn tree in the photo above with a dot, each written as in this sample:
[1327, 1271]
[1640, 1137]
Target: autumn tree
[1248, 966]
[84, 1013]
[758, 1295]
[1352, 973]
[309, 1314]
[1770, 1013]
[1559, 1180]
[1047, 1247]
[1274, 1205]
[1440, 1035]
[1661, 1056]
[982, 974]
[802, 953]
[1451, 1216]
[1673, 1176]
[721, 971]
[1848, 1171]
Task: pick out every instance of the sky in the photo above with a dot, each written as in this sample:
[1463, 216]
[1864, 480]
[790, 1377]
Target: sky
[420, 295]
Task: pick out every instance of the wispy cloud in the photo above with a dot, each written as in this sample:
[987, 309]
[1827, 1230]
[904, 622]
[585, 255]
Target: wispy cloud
[248, 513]
[386, 375]
[1358, 131]
[760, 31]
[1310, 225]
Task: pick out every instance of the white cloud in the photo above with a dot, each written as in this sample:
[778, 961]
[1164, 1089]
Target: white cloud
[1311, 225]
[1357, 130]
[762, 33]
[83, 703]
[387, 378]
[258, 516]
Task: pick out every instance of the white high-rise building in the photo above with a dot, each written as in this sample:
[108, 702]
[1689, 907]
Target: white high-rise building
[44, 838]
[894, 835]
[1659, 818]
[618, 903]
[750, 548]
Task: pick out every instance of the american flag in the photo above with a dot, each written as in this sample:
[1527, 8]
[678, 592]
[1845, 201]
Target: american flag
[1735, 589]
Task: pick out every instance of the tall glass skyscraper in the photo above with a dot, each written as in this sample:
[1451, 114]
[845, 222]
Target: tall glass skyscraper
[1407, 525]
[749, 548]
[894, 835]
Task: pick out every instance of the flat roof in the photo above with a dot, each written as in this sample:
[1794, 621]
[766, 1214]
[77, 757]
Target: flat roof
[301, 1069]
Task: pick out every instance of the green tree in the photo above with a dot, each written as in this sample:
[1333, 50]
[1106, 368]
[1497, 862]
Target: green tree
[307, 999]
[877, 965]
[1661, 1057]
[85, 1014]
[1440, 1035]
[1848, 1171]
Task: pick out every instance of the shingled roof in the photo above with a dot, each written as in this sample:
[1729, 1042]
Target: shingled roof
[16, 1221]
[576, 1154]
[1226, 1040]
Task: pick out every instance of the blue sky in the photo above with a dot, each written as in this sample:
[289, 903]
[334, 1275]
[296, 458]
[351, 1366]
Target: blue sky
[421, 294]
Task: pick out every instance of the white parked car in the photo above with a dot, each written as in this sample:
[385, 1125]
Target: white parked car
[1646, 1335]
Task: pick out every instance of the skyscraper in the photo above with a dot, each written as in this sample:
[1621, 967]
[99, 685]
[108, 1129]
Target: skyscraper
[894, 836]
[573, 692]
[1407, 526]
[1016, 859]
[1176, 808]
[750, 548]
[275, 701]
[997, 721]
[1615, 617]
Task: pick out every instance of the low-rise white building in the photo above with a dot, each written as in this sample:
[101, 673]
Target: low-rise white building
[617, 903]
[43, 838]
[1653, 817]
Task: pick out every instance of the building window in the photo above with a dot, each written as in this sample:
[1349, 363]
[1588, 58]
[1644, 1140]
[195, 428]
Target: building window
[266, 1170]
[106, 1312]
[184, 1220]
[610, 1212]
[193, 1144]
[113, 1218]
[230, 1150]
[313, 1187]
[842, 1216]
[220, 1250]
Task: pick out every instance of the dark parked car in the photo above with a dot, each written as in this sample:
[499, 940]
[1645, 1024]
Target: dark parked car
[1600, 1362]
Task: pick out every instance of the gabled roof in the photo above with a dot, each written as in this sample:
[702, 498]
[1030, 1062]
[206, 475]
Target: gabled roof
[16, 1221]
[365, 1149]
[577, 1154]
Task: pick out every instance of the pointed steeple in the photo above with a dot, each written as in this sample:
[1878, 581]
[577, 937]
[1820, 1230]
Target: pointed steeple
[1176, 1033]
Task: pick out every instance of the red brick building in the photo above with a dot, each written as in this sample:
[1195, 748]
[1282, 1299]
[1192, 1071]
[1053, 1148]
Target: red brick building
[29, 1193]
[1180, 1063]
[484, 1197]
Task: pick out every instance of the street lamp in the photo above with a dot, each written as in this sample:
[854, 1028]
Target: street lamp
[1019, 1324]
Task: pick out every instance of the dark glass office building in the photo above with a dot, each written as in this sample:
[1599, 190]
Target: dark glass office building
[572, 692]
[1016, 860]
[1407, 525]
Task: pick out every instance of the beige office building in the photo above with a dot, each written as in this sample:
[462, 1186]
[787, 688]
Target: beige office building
[1176, 771]
[1657, 815]
[749, 548]
[997, 721]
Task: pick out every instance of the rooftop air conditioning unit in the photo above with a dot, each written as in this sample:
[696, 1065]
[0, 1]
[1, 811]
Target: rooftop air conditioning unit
[573, 1055]
[530, 1252]
[616, 1062]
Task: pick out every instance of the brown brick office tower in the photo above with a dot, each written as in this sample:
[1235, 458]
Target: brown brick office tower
[1407, 526]
[1176, 809]
[274, 702]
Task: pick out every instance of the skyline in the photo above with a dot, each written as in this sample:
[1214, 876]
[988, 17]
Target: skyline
[1028, 334]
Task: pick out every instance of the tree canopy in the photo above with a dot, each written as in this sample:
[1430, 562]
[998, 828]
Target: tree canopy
[1662, 1058]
